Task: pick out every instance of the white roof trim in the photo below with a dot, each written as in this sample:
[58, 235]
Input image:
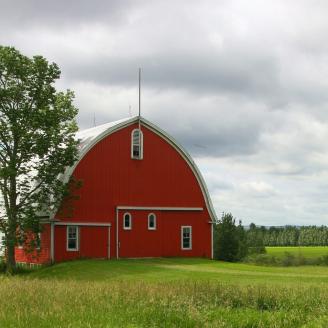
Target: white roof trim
[90, 137]
[87, 224]
[149, 208]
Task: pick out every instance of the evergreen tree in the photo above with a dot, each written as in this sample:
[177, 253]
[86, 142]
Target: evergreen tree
[230, 240]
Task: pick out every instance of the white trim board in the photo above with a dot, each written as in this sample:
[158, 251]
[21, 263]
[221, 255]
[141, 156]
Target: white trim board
[145, 208]
[88, 224]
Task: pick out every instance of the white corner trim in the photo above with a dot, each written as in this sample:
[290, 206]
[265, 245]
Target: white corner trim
[117, 241]
[108, 246]
[212, 238]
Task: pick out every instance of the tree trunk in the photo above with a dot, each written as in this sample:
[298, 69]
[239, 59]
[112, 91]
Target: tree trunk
[10, 253]
[12, 227]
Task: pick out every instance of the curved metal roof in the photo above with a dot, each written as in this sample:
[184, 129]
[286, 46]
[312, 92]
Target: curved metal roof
[90, 137]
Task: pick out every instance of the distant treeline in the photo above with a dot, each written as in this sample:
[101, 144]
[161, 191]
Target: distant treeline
[232, 242]
[291, 235]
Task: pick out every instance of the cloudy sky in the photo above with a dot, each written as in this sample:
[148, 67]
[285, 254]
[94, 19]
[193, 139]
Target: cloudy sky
[243, 85]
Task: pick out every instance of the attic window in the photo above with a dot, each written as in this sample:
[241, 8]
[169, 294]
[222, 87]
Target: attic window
[136, 144]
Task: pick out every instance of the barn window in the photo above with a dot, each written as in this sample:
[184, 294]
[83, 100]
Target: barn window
[72, 238]
[136, 144]
[38, 241]
[20, 240]
[186, 235]
[151, 221]
[127, 221]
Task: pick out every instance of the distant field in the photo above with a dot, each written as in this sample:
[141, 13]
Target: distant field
[165, 293]
[308, 252]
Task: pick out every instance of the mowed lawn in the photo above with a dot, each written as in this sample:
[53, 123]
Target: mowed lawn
[307, 252]
[165, 293]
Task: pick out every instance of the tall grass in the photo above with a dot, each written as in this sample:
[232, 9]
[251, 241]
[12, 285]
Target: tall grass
[44, 303]
[165, 293]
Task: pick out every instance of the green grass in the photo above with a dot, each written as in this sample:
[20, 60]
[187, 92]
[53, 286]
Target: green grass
[165, 293]
[307, 252]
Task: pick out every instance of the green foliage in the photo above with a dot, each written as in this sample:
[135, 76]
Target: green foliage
[296, 236]
[255, 237]
[230, 240]
[37, 128]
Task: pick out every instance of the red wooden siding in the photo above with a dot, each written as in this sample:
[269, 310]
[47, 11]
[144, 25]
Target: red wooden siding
[111, 178]
[40, 256]
[166, 239]
[93, 243]
[161, 179]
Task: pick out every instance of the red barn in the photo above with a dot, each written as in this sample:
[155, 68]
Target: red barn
[141, 196]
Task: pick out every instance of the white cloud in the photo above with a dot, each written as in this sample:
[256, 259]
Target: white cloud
[242, 85]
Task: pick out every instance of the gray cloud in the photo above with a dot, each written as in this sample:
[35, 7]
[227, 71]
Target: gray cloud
[241, 85]
[62, 14]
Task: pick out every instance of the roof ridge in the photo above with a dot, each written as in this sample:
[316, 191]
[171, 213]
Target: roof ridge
[111, 123]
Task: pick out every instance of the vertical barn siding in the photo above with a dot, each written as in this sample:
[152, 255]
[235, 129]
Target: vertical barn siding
[93, 243]
[41, 256]
[110, 177]
[162, 179]
[165, 241]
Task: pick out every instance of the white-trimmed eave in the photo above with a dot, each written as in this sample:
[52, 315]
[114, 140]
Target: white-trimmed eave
[159, 132]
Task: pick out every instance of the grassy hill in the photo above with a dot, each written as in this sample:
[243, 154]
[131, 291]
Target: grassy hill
[165, 293]
[306, 251]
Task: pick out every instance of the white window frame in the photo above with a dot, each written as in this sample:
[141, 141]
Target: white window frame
[140, 144]
[130, 226]
[39, 235]
[190, 244]
[77, 238]
[155, 223]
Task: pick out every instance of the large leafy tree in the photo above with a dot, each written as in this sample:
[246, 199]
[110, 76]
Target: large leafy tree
[37, 128]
